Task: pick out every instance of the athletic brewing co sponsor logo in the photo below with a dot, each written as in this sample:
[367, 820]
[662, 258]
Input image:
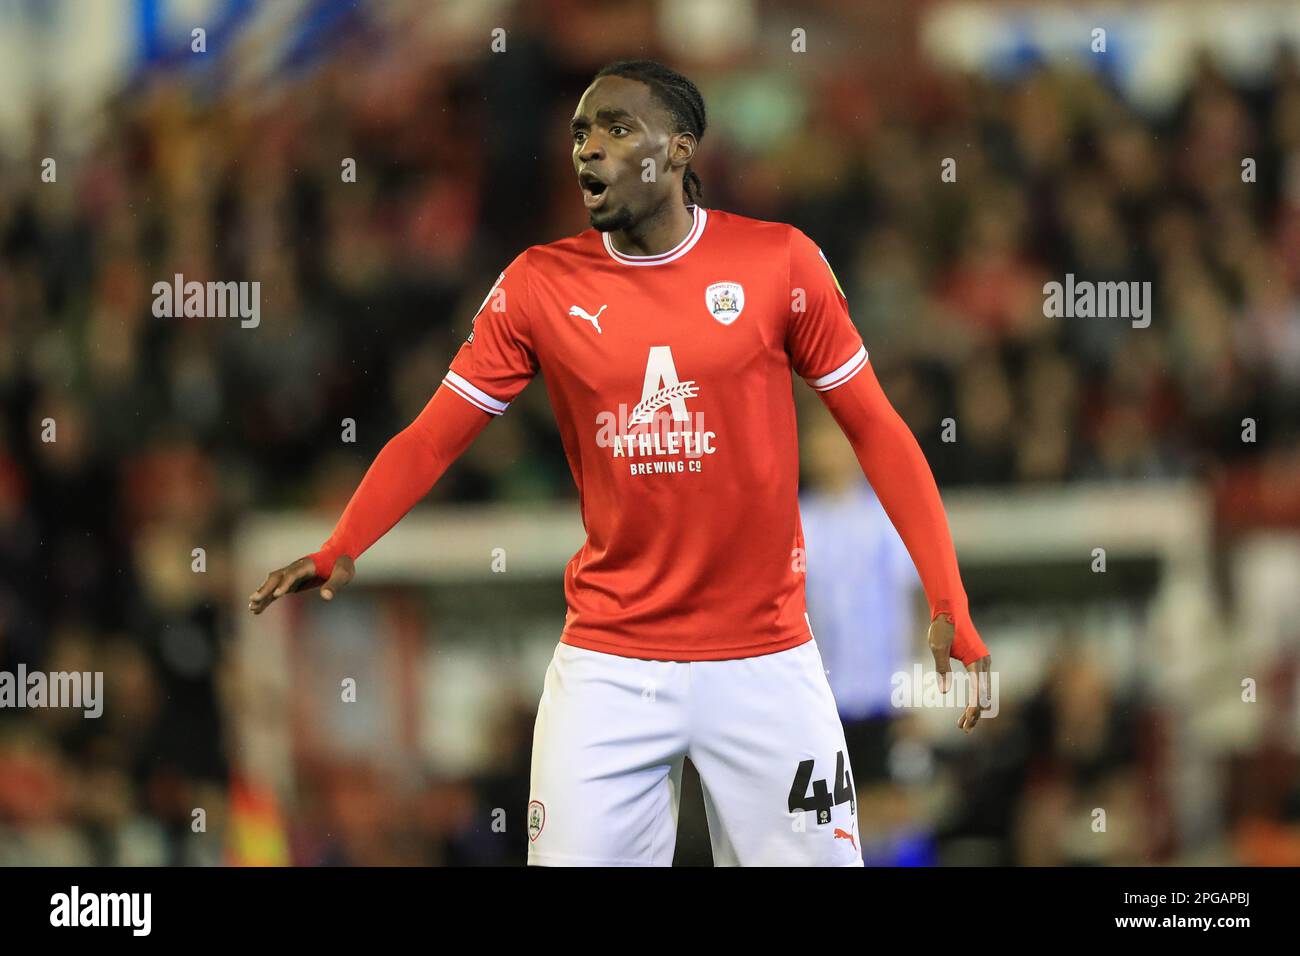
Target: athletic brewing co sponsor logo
[536, 819]
[725, 300]
[660, 427]
[662, 388]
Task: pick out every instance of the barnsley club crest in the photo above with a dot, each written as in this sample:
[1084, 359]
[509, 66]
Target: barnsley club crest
[536, 819]
[725, 300]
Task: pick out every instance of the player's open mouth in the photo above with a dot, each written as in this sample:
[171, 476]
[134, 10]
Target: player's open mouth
[593, 190]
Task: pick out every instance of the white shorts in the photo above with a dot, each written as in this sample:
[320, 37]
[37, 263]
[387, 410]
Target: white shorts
[763, 732]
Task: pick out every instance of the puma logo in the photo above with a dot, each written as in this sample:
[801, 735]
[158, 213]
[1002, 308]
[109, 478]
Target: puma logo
[845, 835]
[581, 313]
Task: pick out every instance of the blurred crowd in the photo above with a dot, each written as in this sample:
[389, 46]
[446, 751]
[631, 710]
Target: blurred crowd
[168, 430]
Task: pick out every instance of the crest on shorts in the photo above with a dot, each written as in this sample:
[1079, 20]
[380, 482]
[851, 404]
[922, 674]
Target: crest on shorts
[725, 300]
[536, 819]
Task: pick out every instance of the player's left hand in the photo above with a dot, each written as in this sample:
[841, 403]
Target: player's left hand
[940, 637]
[300, 576]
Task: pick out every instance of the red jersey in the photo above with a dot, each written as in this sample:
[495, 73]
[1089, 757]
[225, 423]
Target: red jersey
[670, 378]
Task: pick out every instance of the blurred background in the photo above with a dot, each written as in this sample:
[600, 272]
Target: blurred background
[1126, 501]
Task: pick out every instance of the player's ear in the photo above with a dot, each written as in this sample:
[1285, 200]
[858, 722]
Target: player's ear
[681, 149]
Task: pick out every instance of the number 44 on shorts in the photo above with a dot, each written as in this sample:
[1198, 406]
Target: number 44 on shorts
[809, 794]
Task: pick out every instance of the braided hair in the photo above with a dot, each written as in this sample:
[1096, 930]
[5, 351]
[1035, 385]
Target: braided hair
[679, 96]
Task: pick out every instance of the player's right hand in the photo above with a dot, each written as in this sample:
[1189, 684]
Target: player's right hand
[300, 576]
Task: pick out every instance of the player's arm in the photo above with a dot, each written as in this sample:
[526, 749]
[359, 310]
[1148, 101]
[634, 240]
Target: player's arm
[826, 349]
[402, 473]
[491, 368]
[893, 462]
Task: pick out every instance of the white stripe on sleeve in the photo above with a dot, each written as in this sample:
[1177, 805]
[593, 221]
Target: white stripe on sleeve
[473, 394]
[842, 374]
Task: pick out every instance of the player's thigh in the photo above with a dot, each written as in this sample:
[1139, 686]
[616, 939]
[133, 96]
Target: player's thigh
[769, 746]
[608, 746]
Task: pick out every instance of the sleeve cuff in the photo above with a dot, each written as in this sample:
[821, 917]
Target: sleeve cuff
[324, 562]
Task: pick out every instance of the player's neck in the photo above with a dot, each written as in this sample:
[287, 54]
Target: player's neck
[659, 232]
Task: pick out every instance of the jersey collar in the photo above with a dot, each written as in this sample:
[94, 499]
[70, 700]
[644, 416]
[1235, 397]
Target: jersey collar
[699, 214]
